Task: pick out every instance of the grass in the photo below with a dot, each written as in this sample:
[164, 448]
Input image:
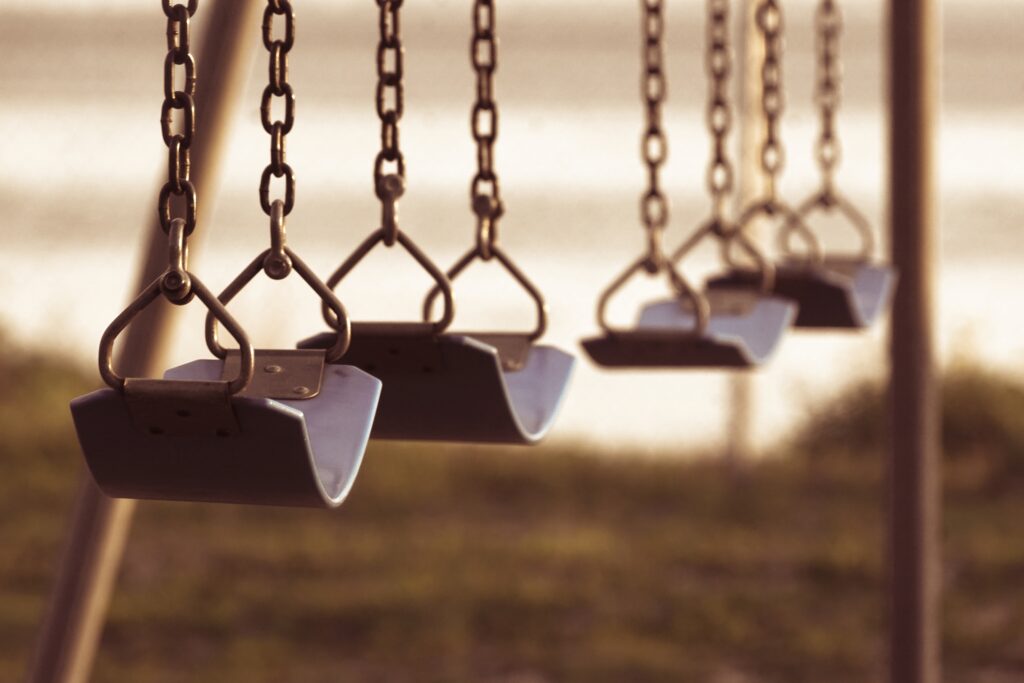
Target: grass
[489, 564]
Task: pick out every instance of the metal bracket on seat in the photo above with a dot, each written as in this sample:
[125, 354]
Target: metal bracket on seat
[290, 374]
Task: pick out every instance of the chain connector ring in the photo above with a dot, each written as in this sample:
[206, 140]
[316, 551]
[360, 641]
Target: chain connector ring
[277, 264]
[392, 187]
[176, 283]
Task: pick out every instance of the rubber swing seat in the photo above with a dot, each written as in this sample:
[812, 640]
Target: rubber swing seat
[839, 293]
[469, 387]
[245, 450]
[743, 330]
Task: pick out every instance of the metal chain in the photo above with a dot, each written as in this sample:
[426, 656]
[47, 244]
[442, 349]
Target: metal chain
[278, 87]
[829, 25]
[769, 22]
[654, 209]
[179, 160]
[485, 191]
[389, 185]
[390, 90]
[718, 61]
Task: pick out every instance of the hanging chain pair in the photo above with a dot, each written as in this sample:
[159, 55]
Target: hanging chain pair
[769, 22]
[829, 24]
[485, 191]
[654, 208]
[179, 161]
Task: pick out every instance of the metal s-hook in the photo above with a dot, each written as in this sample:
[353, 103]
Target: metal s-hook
[390, 190]
[277, 264]
[176, 283]
[488, 210]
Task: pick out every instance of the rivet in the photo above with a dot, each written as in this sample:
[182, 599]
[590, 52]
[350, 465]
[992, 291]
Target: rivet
[272, 369]
[301, 391]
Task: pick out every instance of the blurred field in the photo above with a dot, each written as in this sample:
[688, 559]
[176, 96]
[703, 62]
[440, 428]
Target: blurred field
[462, 564]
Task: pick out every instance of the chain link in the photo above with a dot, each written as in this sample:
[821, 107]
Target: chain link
[829, 26]
[769, 22]
[720, 173]
[278, 87]
[485, 191]
[179, 160]
[654, 209]
[390, 95]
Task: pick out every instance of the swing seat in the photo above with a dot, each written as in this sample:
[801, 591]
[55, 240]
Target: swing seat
[221, 449]
[486, 388]
[743, 330]
[840, 293]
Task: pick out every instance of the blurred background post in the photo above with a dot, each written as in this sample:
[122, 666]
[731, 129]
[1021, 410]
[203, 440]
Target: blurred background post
[915, 494]
[738, 440]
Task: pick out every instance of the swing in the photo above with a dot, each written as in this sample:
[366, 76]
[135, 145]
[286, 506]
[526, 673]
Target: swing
[722, 327]
[494, 387]
[833, 291]
[275, 427]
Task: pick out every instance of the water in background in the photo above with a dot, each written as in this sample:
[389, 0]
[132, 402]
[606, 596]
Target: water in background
[81, 158]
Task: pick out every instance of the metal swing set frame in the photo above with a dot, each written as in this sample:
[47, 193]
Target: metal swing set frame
[99, 526]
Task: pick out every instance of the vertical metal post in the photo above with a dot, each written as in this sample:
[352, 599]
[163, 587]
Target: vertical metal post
[71, 629]
[749, 51]
[915, 475]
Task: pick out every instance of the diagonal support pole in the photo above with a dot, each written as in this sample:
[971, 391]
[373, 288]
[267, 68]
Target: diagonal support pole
[71, 630]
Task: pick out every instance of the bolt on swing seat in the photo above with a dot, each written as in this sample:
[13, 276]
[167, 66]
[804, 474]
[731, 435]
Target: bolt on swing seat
[283, 431]
[468, 387]
[721, 327]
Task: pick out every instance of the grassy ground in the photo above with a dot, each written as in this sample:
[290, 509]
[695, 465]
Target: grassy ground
[460, 564]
